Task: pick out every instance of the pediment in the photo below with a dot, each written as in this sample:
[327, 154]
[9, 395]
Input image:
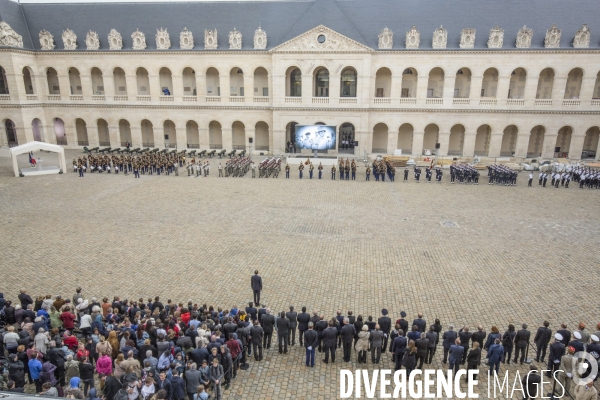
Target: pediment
[321, 40]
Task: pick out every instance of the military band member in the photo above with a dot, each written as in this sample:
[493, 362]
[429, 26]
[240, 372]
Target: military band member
[136, 171]
[347, 170]
[382, 172]
[417, 174]
[310, 170]
[220, 168]
[341, 168]
[300, 169]
[333, 172]
[405, 174]
[353, 171]
[253, 170]
[320, 168]
[368, 177]
[287, 171]
[392, 173]
[545, 180]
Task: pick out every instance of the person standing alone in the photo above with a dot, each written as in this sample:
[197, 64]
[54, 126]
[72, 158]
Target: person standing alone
[256, 284]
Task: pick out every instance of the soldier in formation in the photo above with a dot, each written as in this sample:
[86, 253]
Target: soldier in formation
[501, 175]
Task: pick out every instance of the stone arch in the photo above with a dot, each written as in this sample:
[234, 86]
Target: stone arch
[143, 82]
[383, 82]
[293, 82]
[28, 80]
[518, 80]
[147, 133]
[52, 80]
[462, 83]
[11, 133]
[38, 130]
[3, 82]
[348, 82]
[97, 82]
[545, 84]
[535, 148]
[236, 82]
[482, 140]
[238, 135]
[573, 85]
[456, 140]
[192, 134]
[435, 83]
[563, 141]
[261, 82]
[431, 137]
[590, 143]
[170, 134]
[290, 134]
[213, 83]
[489, 83]
[405, 138]
[215, 135]
[509, 141]
[103, 133]
[75, 82]
[59, 131]
[346, 138]
[409, 82]
[189, 82]
[261, 130]
[596, 93]
[321, 82]
[124, 132]
[380, 138]
[81, 132]
[166, 82]
[119, 81]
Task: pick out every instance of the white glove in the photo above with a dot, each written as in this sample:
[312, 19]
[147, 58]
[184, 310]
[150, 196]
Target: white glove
[569, 375]
[309, 348]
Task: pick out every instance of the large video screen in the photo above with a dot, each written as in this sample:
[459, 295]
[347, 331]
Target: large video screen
[315, 137]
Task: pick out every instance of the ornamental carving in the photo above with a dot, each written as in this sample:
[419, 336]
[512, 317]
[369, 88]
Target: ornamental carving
[413, 38]
[235, 40]
[440, 38]
[496, 39]
[552, 39]
[138, 40]
[467, 38]
[386, 38]
[186, 40]
[582, 37]
[163, 41]
[8, 37]
[91, 41]
[115, 41]
[260, 39]
[69, 39]
[210, 39]
[524, 37]
[46, 40]
[321, 39]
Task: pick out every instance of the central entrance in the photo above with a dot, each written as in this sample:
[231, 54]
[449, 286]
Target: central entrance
[346, 138]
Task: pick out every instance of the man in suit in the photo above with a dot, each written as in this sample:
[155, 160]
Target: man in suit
[303, 320]
[422, 345]
[420, 323]
[532, 384]
[257, 334]
[557, 350]
[293, 317]
[479, 336]
[565, 333]
[252, 312]
[432, 336]
[541, 340]
[256, 284]
[262, 311]
[455, 355]
[347, 334]
[385, 323]
[329, 341]
[268, 323]
[283, 330]
[521, 341]
[449, 338]
[398, 349]
[402, 322]
[311, 341]
[465, 336]
[376, 343]
[320, 327]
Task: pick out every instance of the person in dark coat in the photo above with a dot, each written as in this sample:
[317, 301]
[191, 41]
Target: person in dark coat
[455, 354]
[385, 324]
[347, 334]
[422, 345]
[177, 386]
[257, 335]
[565, 333]
[25, 299]
[376, 343]
[256, 285]
[521, 341]
[474, 358]
[111, 386]
[252, 312]
[293, 317]
[420, 323]
[283, 329]
[495, 334]
[479, 336]
[320, 327]
[541, 340]
[399, 348]
[465, 337]
[311, 341]
[494, 356]
[16, 370]
[163, 383]
[508, 340]
[330, 341]
[268, 324]
[449, 337]
[409, 361]
[557, 350]
[303, 320]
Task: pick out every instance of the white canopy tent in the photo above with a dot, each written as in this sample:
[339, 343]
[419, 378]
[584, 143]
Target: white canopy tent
[36, 146]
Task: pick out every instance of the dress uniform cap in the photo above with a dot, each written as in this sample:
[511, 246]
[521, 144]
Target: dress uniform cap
[402, 314]
[577, 335]
[595, 338]
[558, 336]
[384, 311]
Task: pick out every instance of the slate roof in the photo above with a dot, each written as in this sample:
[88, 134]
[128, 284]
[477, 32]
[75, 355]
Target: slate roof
[361, 20]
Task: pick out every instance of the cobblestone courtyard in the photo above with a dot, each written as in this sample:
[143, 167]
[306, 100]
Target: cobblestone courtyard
[517, 254]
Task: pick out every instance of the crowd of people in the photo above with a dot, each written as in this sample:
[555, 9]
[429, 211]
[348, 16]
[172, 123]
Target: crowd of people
[150, 350]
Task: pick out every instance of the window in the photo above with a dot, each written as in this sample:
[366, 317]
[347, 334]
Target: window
[348, 85]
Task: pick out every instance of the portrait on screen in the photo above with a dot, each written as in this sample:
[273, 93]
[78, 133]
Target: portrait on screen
[316, 137]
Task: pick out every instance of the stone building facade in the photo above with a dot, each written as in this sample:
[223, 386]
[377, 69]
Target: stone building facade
[244, 89]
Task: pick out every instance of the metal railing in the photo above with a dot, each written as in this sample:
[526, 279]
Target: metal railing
[61, 141]
[104, 144]
[238, 147]
[193, 146]
[147, 144]
[215, 146]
